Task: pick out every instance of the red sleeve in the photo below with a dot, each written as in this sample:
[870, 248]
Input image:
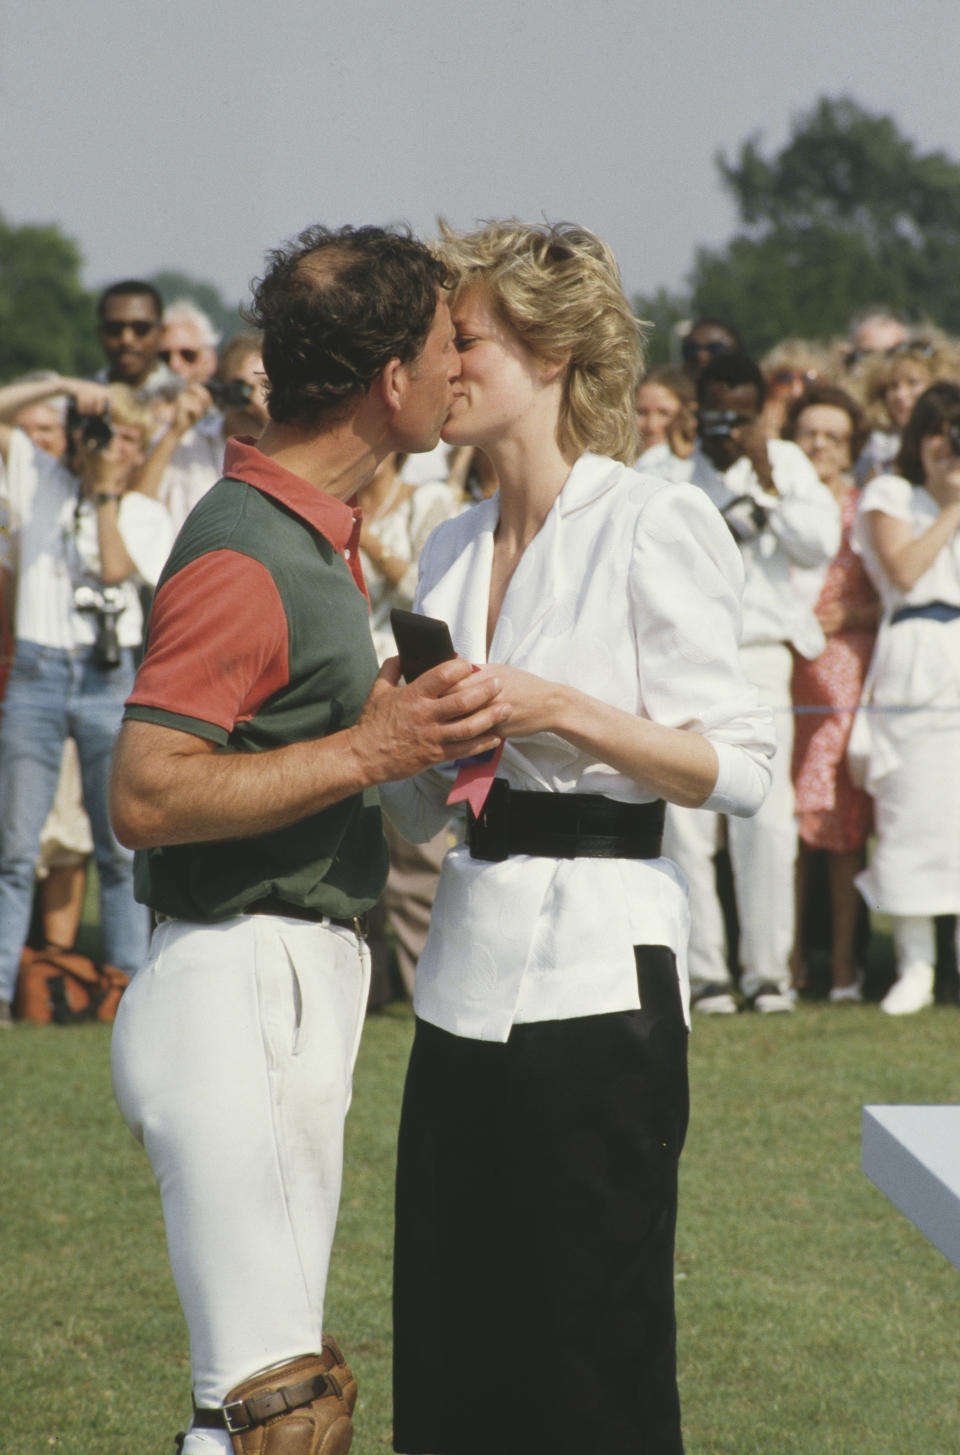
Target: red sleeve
[218, 645]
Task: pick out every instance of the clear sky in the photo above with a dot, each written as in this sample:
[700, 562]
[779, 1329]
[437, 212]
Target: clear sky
[196, 136]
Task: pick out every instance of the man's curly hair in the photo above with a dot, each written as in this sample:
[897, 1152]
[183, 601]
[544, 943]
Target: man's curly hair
[334, 307]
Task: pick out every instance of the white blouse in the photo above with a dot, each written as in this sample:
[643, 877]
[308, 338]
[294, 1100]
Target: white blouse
[630, 592]
[917, 661]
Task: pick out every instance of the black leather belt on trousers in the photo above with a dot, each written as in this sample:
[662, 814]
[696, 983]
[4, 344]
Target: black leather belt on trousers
[564, 826]
[272, 905]
[928, 610]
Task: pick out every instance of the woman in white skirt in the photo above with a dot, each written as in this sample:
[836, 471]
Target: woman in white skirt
[908, 530]
[546, 1100]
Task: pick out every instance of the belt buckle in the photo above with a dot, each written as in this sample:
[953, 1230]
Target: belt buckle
[236, 1429]
[489, 834]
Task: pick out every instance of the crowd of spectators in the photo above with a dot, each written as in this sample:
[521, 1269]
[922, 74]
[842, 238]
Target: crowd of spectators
[837, 468]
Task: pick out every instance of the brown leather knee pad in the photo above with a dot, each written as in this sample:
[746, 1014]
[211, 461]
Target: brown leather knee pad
[311, 1416]
[335, 1365]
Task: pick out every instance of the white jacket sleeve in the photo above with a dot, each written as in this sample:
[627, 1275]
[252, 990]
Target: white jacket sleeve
[686, 583]
[804, 516]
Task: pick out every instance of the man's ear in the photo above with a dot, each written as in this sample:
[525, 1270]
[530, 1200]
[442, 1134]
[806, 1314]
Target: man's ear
[392, 383]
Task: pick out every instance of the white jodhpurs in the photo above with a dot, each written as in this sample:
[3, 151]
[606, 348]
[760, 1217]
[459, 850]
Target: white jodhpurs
[763, 853]
[233, 1054]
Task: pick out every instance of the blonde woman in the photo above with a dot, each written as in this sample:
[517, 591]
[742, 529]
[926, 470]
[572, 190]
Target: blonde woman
[889, 386]
[546, 1100]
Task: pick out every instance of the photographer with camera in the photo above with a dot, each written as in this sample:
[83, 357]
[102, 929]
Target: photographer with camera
[188, 458]
[78, 546]
[787, 525]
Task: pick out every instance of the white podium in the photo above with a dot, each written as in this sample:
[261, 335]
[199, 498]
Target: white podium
[912, 1154]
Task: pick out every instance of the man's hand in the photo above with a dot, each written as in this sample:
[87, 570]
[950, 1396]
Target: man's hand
[170, 787]
[752, 440]
[88, 396]
[190, 406]
[449, 712]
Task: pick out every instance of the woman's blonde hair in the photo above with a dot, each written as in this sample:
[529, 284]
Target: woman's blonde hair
[558, 287]
[933, 351]
[127, 409]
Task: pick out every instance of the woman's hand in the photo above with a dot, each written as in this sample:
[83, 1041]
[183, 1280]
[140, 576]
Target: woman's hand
[942, 480]
[678, 765]
[535, 705]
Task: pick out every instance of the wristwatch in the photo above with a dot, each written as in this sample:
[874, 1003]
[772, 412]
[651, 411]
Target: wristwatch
[104, 497]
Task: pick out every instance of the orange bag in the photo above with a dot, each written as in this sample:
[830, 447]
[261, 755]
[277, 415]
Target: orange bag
[63, 987]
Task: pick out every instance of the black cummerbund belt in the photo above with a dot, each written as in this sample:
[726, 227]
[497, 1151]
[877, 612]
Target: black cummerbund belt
[930, 610]
[564, 826]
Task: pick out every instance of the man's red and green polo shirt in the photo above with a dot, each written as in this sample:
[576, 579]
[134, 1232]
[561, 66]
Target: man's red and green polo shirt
[259, 637]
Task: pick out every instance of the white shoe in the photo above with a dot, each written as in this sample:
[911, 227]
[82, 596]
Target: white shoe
[773, 1002]
[722, 1003]
[910, 992]
[847, 994]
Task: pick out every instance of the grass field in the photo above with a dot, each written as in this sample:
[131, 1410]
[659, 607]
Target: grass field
[813, 1317]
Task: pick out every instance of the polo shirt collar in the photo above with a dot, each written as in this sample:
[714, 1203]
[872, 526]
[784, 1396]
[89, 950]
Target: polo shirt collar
[338, 522]
[334, 519]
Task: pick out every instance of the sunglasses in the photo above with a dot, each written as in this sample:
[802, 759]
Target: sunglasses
[692, 350]
[921, 348]
[793, 376]
[189, 356]
[116, 327]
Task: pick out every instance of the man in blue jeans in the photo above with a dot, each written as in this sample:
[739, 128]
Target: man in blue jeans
[75, 548]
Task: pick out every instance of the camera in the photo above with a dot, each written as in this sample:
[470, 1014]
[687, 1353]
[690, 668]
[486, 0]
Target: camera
[745, 518]
[96, 431]
[717, 424]
[229, 393]
[106, 604]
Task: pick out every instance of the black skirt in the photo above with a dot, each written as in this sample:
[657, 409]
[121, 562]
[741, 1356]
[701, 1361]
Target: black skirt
[536, 1210]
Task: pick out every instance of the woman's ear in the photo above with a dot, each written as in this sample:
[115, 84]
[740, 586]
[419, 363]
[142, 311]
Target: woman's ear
[551, 369]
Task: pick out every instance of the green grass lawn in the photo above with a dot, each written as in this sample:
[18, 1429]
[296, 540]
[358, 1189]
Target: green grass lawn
[813, 1317]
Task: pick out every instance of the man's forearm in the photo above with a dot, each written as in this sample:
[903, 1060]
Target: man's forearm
[191, 794]
[170, 787]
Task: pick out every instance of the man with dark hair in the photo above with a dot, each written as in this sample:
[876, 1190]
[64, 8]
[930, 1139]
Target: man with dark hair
[319, 349]
[707, 339]
[129, 317]
[246, 776]
[788, 528]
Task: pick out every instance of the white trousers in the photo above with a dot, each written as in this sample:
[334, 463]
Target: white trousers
[763, 853]
[233, 1053]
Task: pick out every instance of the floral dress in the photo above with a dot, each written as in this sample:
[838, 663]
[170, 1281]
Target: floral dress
[831, 813]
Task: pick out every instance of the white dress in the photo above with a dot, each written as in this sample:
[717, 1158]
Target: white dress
[912, 697]
[630, 592]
